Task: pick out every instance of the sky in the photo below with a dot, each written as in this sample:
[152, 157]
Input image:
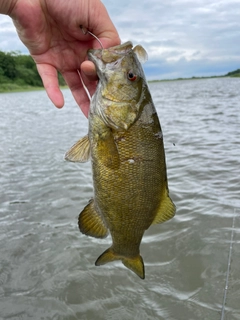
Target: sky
[183, 38]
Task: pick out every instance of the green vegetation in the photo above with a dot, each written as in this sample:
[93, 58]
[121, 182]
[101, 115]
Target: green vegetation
[235, 73]
[18, 72]
[192, 78]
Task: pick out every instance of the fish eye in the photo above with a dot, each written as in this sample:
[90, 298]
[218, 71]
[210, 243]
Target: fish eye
[131, 76]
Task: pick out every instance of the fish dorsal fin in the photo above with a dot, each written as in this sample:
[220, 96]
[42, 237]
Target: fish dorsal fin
[166, 209]
[80, 151]
[141, 53]
[91, 223]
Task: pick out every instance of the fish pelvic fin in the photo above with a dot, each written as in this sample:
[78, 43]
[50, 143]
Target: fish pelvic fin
[135, 264]
[80, 151]
[91, 223]
[166, 209]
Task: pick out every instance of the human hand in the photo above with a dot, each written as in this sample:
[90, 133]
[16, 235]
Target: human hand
[50, 29]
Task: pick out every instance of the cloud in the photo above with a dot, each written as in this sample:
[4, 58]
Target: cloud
[182, 37]
[9, 40]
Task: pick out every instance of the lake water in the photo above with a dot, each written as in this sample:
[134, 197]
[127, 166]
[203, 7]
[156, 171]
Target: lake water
[47, 266]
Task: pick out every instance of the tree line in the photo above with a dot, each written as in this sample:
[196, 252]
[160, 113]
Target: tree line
[20, 69]
[233, 73]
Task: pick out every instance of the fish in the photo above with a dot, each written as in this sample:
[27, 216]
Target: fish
[125, 145]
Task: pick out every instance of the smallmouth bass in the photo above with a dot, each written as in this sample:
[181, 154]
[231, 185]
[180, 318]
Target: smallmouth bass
[125, 144]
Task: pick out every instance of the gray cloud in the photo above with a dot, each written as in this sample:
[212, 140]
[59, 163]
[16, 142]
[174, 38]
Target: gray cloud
[9, 40]
[182, 37]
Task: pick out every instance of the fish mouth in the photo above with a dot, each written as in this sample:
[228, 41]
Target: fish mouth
[110, 54]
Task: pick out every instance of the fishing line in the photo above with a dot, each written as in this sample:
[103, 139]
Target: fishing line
[84, 86]
[86, 31]
[228, 268]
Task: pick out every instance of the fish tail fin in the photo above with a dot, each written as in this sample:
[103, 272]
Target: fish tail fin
[135, 264]
[107, 256]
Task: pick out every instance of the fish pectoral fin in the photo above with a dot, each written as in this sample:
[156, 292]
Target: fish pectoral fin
[80, 151]
[134, 264]
[107, 151]
[91, 223]
[166, 209]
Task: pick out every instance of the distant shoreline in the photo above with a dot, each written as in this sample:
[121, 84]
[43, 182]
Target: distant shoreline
[195, 78]
[11, 87]
[18, 73]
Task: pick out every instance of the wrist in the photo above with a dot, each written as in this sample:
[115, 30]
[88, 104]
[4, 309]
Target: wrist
[6, 6]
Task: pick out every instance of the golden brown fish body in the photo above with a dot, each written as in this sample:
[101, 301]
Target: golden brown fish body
[128, 161]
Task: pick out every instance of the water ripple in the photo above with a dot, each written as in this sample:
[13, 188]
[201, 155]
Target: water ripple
[47, 267]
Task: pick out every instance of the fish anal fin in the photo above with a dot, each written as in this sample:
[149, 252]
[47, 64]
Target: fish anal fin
[135, 264]
[80, 151]
[91, 223]
[166, 209]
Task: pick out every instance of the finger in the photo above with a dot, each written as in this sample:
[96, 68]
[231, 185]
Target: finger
[50, 81]
[73, 81]
[84, 99]
[102, 26]
[89, 70]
